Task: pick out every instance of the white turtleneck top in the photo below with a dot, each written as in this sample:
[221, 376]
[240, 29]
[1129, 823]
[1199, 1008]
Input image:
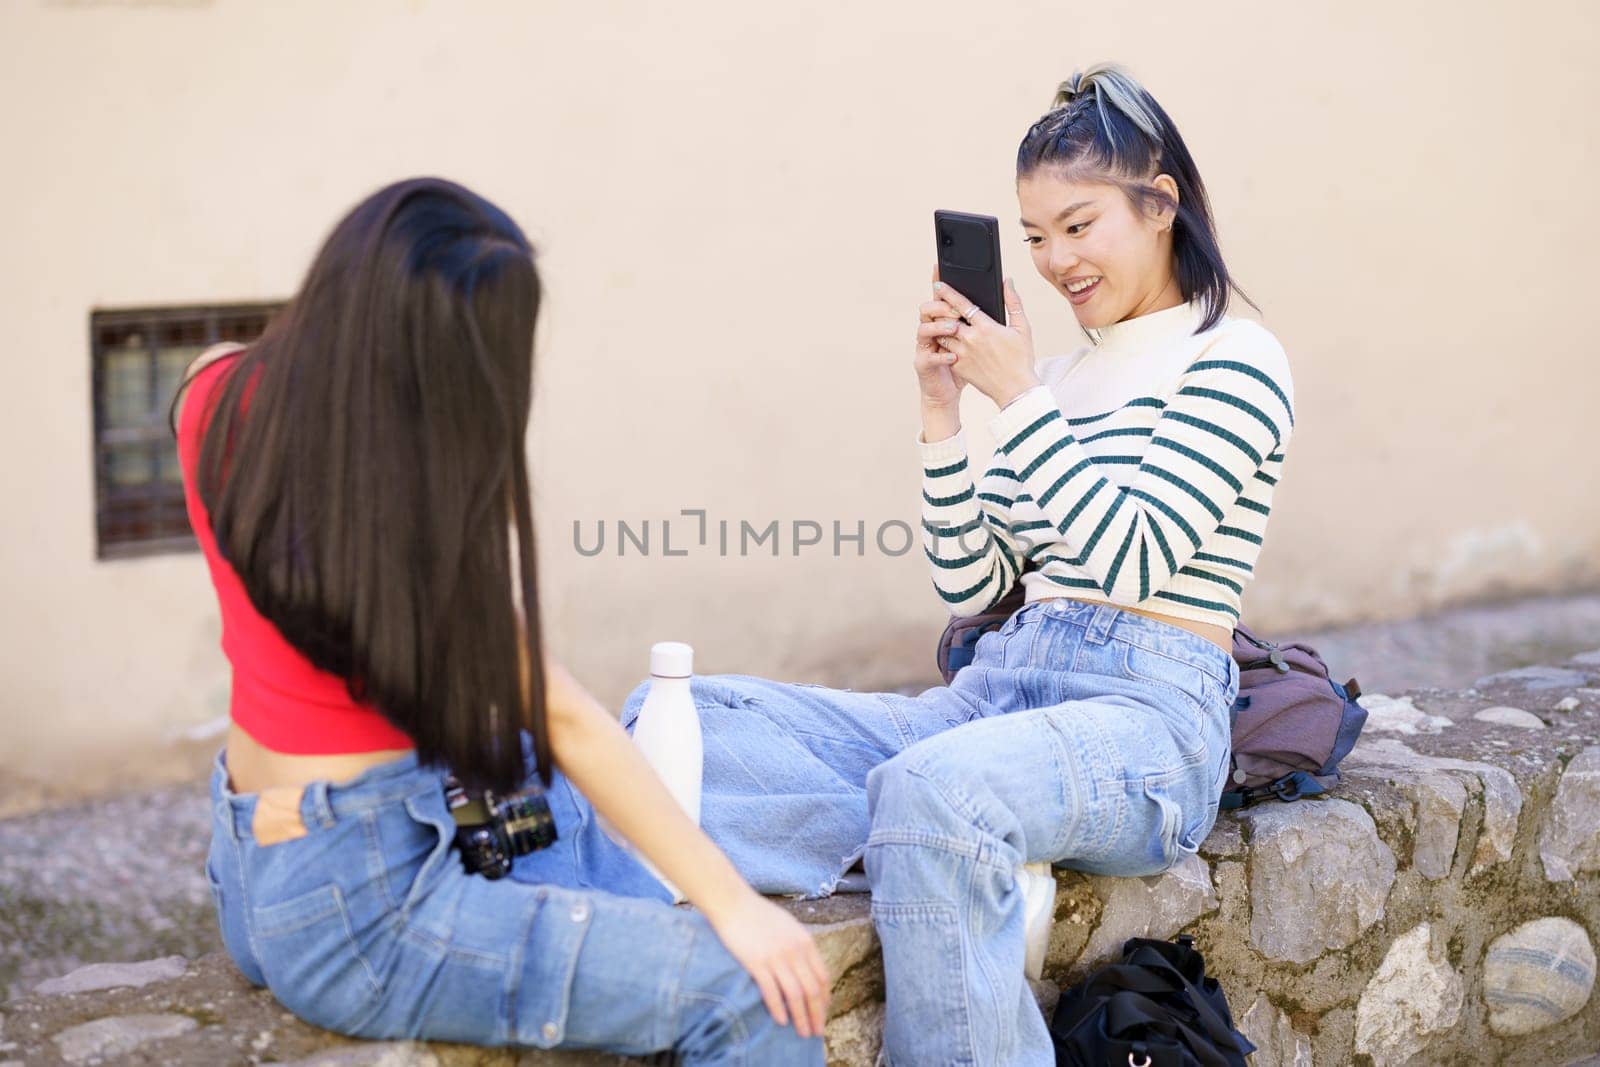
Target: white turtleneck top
[1140, 472]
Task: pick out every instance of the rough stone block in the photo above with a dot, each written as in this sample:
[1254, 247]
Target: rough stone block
[118, 1035]
[1508, 716]
[1398, 715]
[1319, 877]
[115, 975]
[1438, 801]
[1569, 838]
[1277, 1042]
[1502, 797]
[1414, 995]
[1158, 906]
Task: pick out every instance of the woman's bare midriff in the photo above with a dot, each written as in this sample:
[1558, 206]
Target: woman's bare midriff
[1221, 636]
[253, 767]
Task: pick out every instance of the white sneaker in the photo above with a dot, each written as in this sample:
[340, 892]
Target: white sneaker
[1038, 884]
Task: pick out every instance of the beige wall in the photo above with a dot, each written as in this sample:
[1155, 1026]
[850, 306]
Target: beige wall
[732, 201]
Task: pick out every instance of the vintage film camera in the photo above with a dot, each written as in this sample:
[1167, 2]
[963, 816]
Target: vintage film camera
[491, 831]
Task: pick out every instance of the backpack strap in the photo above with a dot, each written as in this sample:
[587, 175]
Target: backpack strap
[1290, 787]
[1273, 658]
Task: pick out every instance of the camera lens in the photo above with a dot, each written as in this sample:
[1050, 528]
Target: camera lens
[946, 240]
[528, 823]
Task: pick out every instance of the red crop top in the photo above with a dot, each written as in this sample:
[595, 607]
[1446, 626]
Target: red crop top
[279, 697]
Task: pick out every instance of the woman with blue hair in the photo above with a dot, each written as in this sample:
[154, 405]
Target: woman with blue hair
[1128, 493]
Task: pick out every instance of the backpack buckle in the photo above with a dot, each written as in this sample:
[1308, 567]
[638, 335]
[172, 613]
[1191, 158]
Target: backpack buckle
[1240, 798]
[1296, 786]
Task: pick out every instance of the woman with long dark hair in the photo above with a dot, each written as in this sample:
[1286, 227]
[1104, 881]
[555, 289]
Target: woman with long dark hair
[1128, 494]
[358, 482]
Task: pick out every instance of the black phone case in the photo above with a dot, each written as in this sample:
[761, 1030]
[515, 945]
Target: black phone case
[972, 267]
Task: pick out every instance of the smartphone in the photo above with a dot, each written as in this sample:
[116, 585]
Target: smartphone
[969, 259]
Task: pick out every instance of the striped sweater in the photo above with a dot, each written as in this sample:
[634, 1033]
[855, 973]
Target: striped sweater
[1140, 472]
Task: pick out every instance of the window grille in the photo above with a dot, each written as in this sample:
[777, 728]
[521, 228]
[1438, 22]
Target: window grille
[137, 361]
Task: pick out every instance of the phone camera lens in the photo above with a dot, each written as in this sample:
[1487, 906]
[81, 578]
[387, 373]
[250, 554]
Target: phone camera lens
[946, 240]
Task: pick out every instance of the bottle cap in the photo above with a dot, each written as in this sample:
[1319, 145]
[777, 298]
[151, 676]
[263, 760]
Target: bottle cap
[671, 659]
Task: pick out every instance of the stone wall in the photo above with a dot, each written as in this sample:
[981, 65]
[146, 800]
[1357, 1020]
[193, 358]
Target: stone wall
[1441, 907]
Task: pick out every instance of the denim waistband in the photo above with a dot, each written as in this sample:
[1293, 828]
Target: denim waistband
[324, 803]
[1102, 622]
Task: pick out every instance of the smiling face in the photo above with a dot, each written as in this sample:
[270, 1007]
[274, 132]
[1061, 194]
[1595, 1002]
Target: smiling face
[1089, 241]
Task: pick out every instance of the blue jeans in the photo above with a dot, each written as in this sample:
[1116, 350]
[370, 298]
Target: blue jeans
[1080, 734]
[368, 925]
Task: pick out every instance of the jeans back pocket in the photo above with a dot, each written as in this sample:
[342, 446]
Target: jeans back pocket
[312, 962]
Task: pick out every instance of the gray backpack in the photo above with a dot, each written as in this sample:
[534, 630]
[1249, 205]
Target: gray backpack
[1292, 723]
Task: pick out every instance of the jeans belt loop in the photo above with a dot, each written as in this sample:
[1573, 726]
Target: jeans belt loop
[1099, 631]
[222, 812]
[239, 816]
[239, 809]
[316, 806]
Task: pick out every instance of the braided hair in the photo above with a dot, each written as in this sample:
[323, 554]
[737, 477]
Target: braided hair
[1103, 126]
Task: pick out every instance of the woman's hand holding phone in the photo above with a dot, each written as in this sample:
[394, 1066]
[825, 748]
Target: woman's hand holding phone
[996, 358]
[937, 381]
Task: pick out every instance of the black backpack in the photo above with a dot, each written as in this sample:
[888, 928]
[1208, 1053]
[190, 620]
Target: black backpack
[1156, 1008]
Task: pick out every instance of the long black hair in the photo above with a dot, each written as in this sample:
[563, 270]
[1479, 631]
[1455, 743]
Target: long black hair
[1104, 126]
[366, 474]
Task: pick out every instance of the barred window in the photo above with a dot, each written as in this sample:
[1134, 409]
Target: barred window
[137, 361]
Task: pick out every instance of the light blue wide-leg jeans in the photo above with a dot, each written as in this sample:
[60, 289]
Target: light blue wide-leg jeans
[1080, 734]
[368, 925]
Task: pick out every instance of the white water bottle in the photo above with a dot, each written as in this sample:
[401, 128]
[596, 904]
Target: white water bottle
[1038, 884]
[668, 731]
